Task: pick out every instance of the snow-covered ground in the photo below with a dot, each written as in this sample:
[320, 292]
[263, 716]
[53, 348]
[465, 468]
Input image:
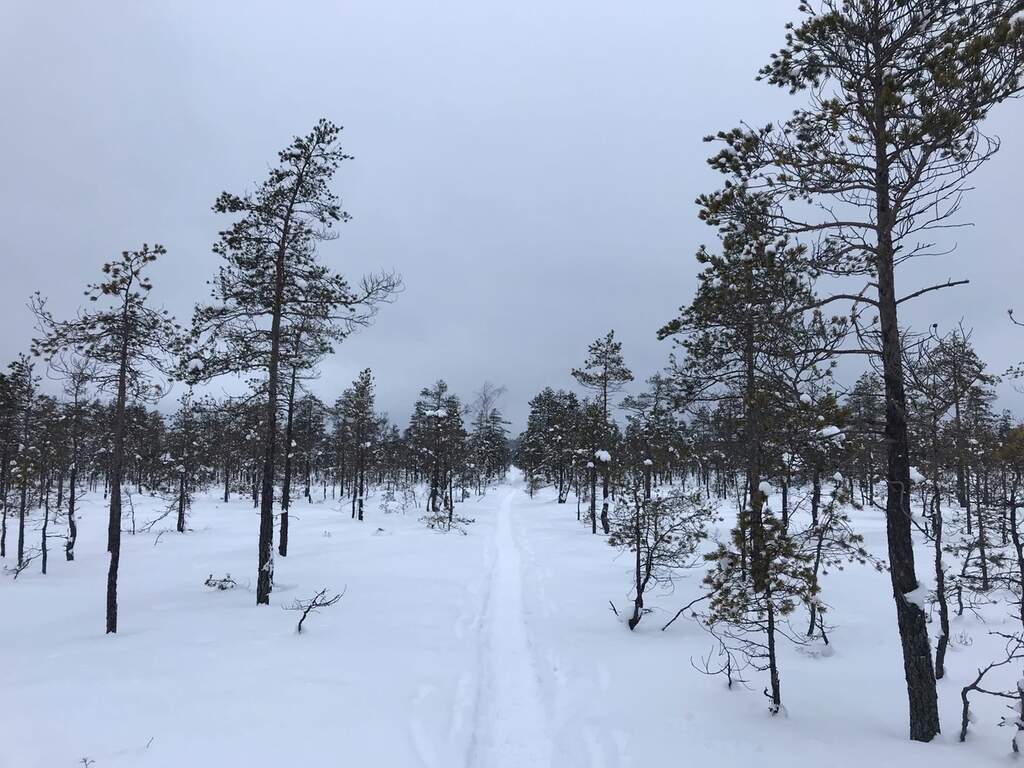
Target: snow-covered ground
[497, 649]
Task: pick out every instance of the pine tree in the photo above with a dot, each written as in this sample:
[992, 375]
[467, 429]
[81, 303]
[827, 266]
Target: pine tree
[488, 439]
[10, 404]
[884, 148]
[131, 344]
[652, 430]
[362, 424]
[747, 343]
[22, 392]
[184, 455]
[604, 372]
[77, 374]
[438, 438]
[865, 406]
[271, 276]
[47, 449]
[750, 621]
[548, 447]
[488, 448]
[662, 531]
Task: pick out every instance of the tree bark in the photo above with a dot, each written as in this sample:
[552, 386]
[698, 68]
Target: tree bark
[593, 499]
[116, 473]
[4, 481]
[44, 549]
[940, 590]
[917, 657]
[773, 665]
[286, 488]
[69, 545]
[23, 504]
[605, 522]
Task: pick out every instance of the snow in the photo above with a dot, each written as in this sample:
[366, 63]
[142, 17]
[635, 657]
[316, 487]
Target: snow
[805, 399]
[510, 729]
[488, 650]
[916, 476]
[603, 456]
[918, 596]
[831, 432]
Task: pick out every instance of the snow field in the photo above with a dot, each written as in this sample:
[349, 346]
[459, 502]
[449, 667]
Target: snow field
[490, 650]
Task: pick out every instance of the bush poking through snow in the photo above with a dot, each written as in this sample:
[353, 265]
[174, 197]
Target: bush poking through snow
[446, 521]
[220, 584]
[313, 605]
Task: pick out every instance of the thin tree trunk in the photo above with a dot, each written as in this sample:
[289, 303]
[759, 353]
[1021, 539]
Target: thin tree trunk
[1018, 546]
[362, 482]
[44, 549]
[917, 657]
[22, 507]
[286, 487]
[69, 545]
[940, 589]
[116, 472]
[4, 480]
[638, 601]
[605, 522]
[773, 665]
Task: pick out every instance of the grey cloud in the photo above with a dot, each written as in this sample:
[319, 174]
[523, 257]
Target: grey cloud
[529, 167]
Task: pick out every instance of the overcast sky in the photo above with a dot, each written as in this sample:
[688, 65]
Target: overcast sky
[529, 167]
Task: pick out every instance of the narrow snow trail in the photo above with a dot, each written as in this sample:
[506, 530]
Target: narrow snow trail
[510, 730]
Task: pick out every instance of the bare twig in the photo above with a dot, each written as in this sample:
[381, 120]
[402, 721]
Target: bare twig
[684, 609]
[319, 600]
[1014, 651]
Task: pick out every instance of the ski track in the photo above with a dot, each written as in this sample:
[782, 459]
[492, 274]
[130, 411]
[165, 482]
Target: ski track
[513, 706]
[442, 728]
[577, 740]
[510, 727]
